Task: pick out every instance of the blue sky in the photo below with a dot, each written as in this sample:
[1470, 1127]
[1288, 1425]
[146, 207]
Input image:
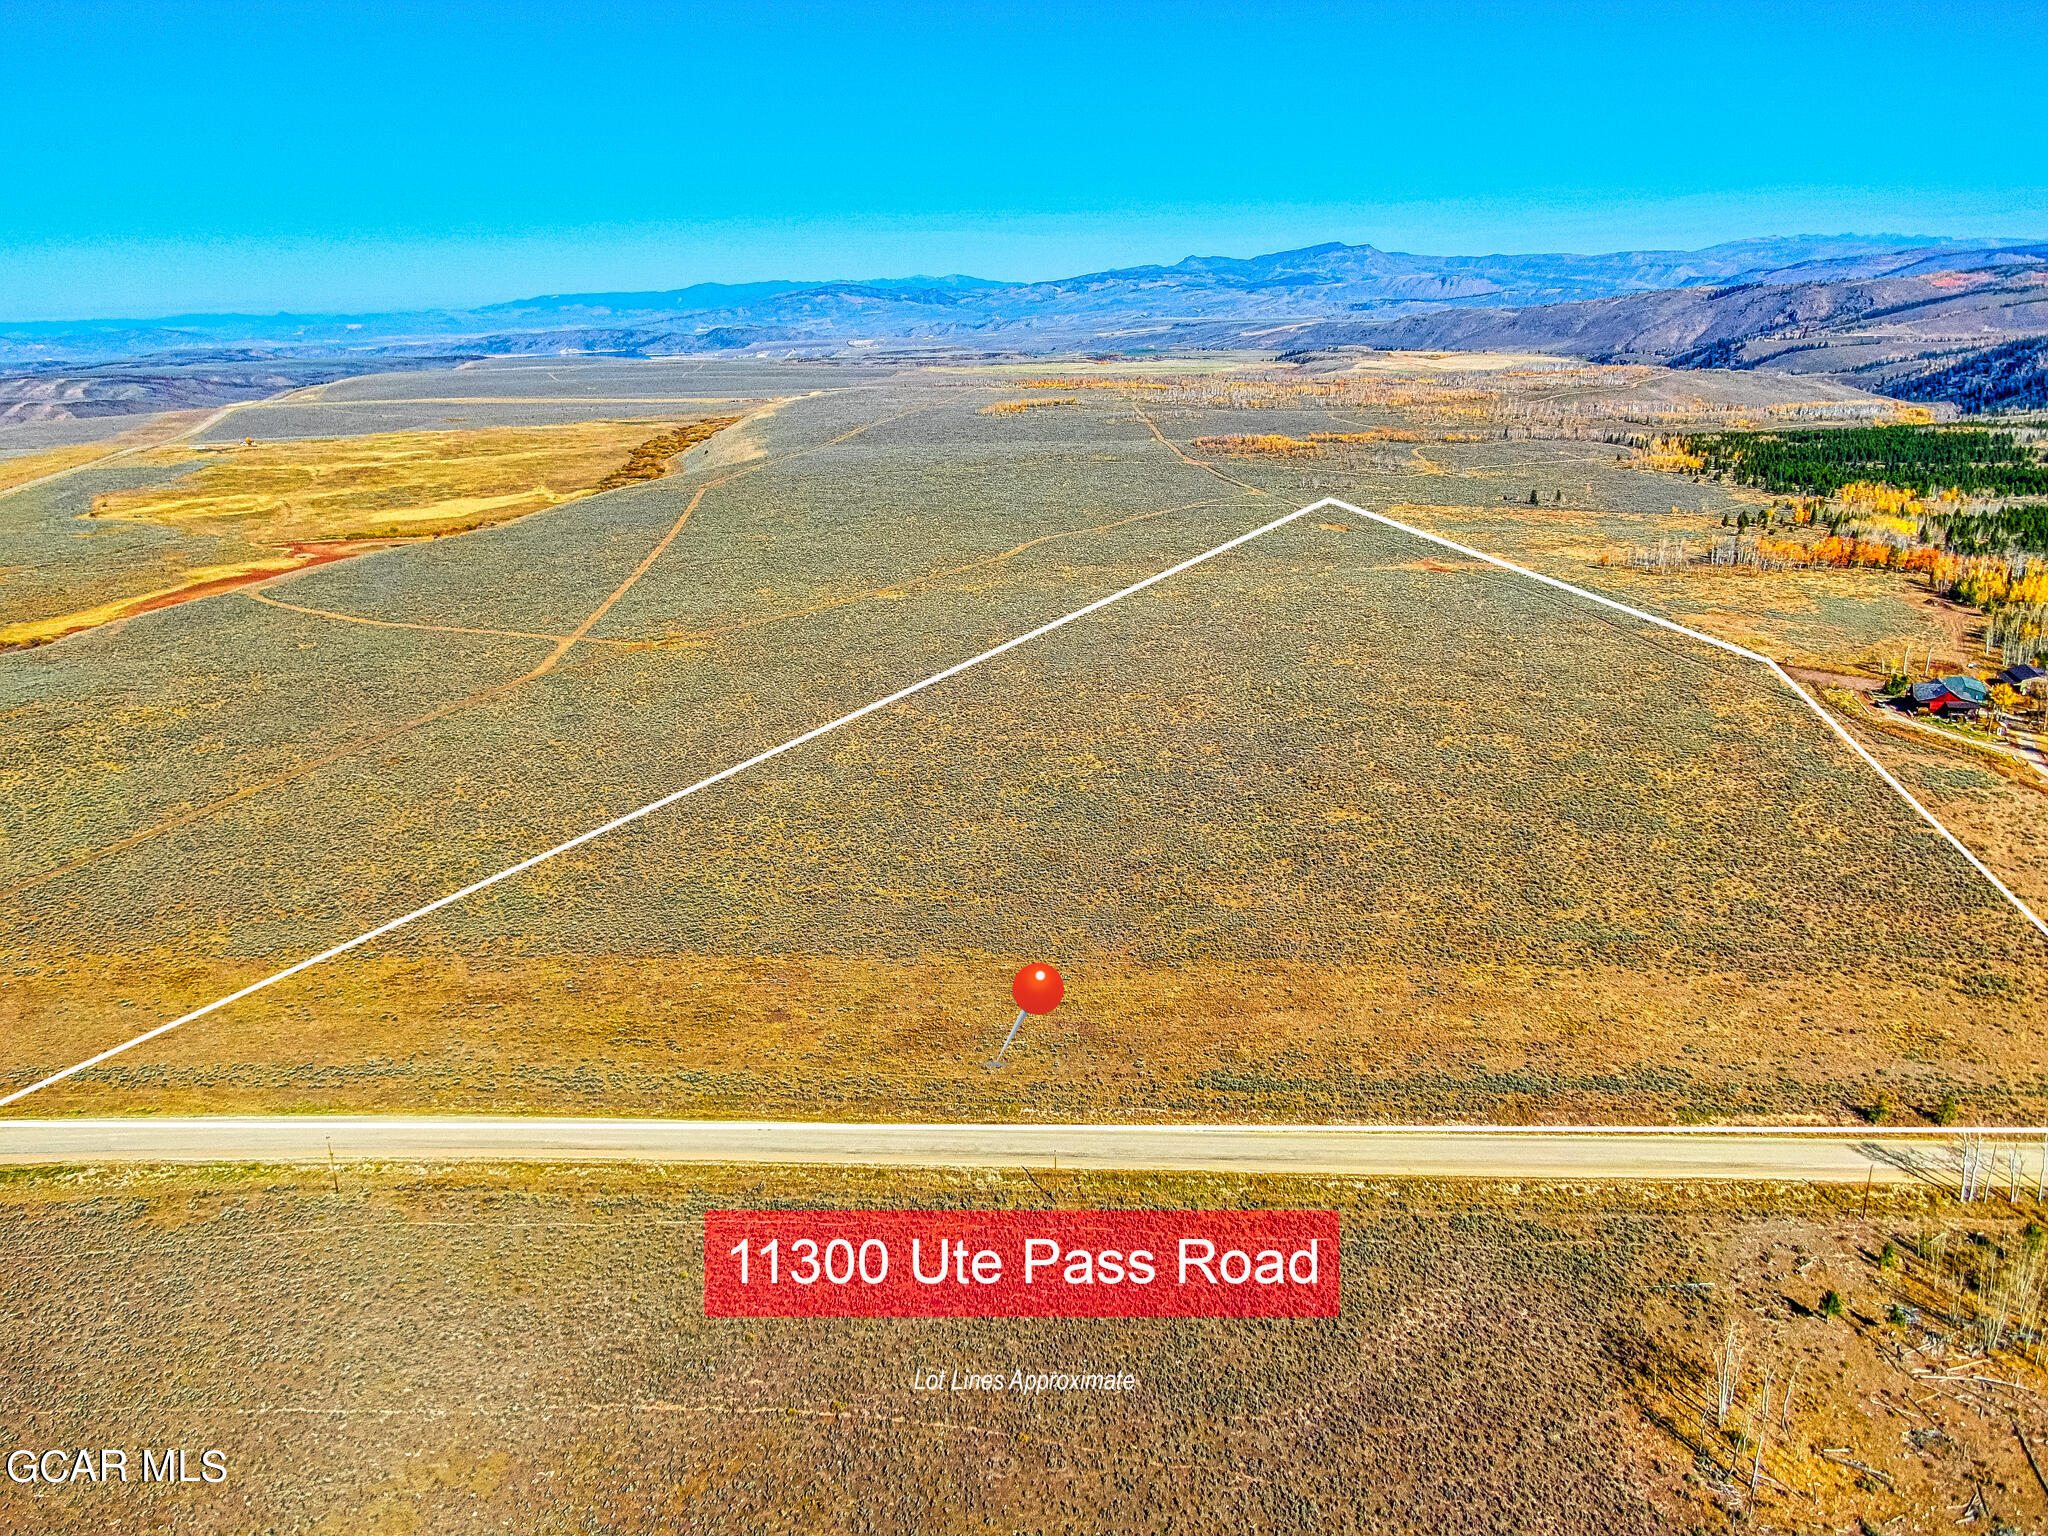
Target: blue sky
[174, 157]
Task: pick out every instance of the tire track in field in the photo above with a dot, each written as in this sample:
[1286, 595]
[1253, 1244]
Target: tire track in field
[1171, 447]
[562, 646]
[582, 632]
[917, 581]
[439, 629]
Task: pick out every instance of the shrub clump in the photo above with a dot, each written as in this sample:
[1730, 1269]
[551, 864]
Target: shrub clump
[650, 460]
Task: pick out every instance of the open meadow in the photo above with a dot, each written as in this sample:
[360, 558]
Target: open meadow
[435, 1348]
[1336, 826]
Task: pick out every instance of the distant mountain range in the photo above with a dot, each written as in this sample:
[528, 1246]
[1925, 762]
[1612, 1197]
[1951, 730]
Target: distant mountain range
[1896, 314]
[1971, 334]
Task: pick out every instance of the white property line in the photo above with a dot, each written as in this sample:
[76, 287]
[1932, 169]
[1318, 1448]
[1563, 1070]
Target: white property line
[974, 661]
[655, 805]
[1727, 645]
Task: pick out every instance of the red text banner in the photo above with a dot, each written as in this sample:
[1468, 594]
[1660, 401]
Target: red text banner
[1020, 1264]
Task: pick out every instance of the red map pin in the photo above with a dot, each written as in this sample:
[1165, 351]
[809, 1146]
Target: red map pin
[1037, 988]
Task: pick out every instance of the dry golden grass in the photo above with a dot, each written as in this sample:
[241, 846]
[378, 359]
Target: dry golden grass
[1991, 800]
[503, 1029]
[399, 484]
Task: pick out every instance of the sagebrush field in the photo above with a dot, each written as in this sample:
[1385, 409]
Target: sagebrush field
[1336, 826]
[402, 1349]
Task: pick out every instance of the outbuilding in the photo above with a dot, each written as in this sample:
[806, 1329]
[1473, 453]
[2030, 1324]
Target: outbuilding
[2020, 674]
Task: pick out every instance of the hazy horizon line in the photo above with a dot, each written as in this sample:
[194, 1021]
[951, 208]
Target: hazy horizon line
[431, 308]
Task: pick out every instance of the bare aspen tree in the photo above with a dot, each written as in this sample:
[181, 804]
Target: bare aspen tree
[1727, 1368]
[1973, 1167]
[2012, 1296]
[1763, 1430]
[1995, 1291]
[1936, 1253]
[2024, 1304]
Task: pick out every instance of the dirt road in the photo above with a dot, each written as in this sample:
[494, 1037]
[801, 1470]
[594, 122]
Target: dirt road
[1447, 1152]
[180, 420]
